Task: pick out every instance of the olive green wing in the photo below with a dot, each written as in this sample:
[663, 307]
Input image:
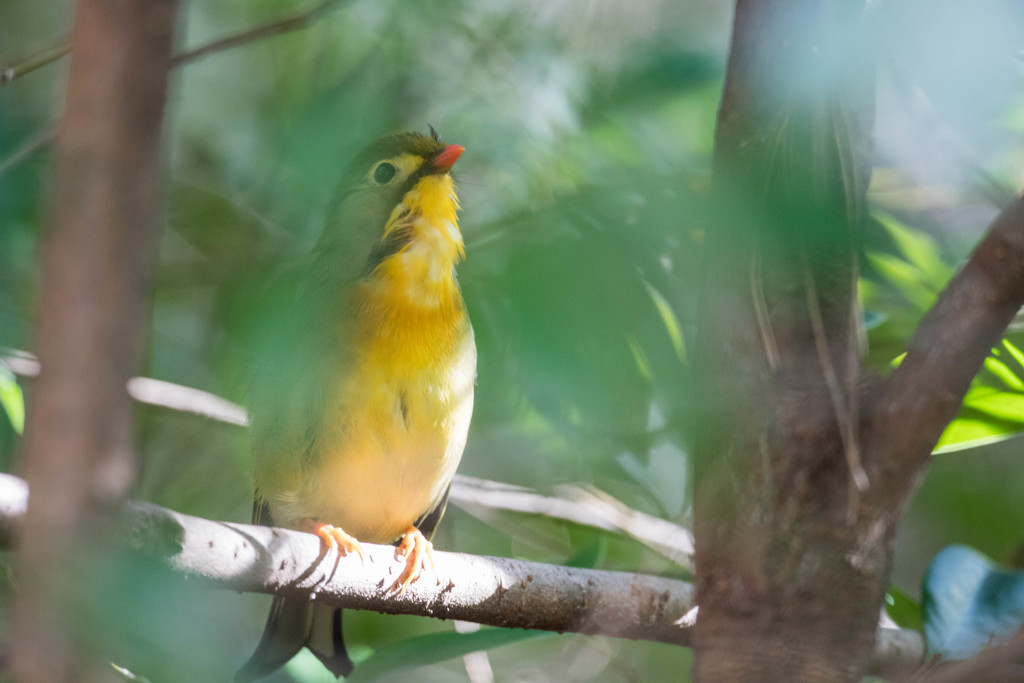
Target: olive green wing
[296, 356]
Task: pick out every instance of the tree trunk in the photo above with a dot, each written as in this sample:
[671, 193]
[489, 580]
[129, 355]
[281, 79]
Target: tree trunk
[791, 554]
[96, 264]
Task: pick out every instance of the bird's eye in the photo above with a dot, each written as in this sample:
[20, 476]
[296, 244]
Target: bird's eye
[384, 173]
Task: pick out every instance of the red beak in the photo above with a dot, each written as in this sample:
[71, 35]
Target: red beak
[448, 156]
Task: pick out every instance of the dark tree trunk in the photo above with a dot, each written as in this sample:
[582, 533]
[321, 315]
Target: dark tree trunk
[96, 265]
[803, 462]
[792, 559]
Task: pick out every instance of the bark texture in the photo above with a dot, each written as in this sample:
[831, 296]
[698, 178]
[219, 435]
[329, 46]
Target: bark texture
[486, 590]
[804, 463]
[96, 264]
[791, 559]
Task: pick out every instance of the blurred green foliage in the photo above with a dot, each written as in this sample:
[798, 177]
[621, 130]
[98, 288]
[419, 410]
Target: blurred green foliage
[589, 130]
[11, 399]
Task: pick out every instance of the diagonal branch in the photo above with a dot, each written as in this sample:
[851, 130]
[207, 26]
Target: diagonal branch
[35, 61]
[286, 24]
[292, 22]
[487, 590]
[26, 149]
[924, 393]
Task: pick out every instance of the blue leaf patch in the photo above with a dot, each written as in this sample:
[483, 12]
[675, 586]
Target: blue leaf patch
[969, 603]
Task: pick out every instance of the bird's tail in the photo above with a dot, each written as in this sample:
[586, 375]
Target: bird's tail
[292, 625]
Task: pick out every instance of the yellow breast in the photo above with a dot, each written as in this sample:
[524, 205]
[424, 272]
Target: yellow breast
[396, 423]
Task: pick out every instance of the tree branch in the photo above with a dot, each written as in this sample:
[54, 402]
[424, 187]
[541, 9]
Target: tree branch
[292, 22]
[35, 61]
[1002, 663]
[152, 392]
[486, 590]
[924, 393]
[591, 508]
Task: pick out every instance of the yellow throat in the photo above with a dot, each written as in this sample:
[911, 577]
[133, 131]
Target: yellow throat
[396, 420]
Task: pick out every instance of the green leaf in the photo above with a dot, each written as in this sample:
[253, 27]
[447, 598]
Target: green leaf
[1001, 372]
[967, 432]
[591, 554]
[969, 602]
[910, 282]
[434, 648]
[993, 409]
[668, 317]
[903, 609]
[910, 268]
[1014, 352]
[11, 399]
[919, 251]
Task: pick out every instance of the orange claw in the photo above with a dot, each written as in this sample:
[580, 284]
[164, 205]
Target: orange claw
[417, 552]
[334, 537]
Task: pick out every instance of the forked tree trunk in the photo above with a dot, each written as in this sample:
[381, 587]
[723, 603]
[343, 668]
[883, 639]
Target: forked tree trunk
[792, 552]
[803, 462]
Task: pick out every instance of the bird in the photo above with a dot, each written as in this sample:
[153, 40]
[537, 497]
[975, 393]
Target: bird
[363, 397]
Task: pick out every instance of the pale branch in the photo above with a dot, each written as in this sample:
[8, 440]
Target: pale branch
[947, 350]
[150, 391]
[286, 24]
[671, 540]
[591, 508]
[485, 590]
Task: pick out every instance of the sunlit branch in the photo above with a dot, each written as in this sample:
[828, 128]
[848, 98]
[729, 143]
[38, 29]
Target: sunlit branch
[591, 507]
[486, 590]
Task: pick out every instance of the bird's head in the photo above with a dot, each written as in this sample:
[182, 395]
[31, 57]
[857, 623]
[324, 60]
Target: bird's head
[397, 190]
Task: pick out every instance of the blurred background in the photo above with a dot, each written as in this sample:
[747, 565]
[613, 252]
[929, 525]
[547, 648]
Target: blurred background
[589, 129]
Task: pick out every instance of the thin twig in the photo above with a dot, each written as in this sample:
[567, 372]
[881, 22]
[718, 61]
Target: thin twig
[847, 428]
[293, 22]
[28, 148]
[35, 61]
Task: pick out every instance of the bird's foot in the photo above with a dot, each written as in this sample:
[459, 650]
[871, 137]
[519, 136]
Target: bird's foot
[334, 537]
[417, 552]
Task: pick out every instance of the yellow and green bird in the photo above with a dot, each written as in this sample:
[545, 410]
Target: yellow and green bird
[361, 406]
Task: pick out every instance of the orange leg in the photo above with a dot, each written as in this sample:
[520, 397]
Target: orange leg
[333, 537]
[417, 552]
